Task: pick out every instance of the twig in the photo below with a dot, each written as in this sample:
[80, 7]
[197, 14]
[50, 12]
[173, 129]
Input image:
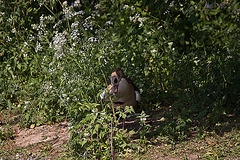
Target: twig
[112, 149]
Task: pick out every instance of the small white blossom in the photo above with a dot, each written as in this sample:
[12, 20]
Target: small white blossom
[27, 102]
[153, 51]
[75, 24]
[92, 39]
[70, 127]
[10, 19]
[109, 23]
[136, 18]
[38, 47]
[9, 39]
[68, 13]
[77, 3]
[57, 24]
[88, 23]
[2, 13]
[75, 34]
[78, 13]
[196, 61]
[13, 30]
[65, 3]
[86, 134]
[59, 40]
[31, 37]
[25, 44]
[97, 6]
[125, 7]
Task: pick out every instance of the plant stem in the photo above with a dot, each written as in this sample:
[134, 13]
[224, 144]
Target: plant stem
[112, 149]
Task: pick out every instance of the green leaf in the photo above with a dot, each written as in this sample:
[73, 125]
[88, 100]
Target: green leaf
[19, 66]
[9, 105]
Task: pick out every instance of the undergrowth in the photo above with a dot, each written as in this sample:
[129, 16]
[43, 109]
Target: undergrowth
[55, 54]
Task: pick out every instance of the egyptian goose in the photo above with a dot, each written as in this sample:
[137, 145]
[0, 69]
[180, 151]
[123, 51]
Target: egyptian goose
[123, 91]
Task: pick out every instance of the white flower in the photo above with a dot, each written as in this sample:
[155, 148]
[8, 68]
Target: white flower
[78, 13]
[97, 6]
[196, 61]
[59, 41]
[13, 30]
[136, 18]
[58, 23]
[153, 51]
[103, 114]
[38, 47]
[31, 37]
[141, 20]
[92, 39]
[8, 39]
[68, 13]
[86, 134]
[27, 102]
[75, 34]
[70, 127]
[41, 18]
[65, 3]
[25, 44]
[77, 3]
[109, 23]
[75, 24]
[149, 33]
[125, 7]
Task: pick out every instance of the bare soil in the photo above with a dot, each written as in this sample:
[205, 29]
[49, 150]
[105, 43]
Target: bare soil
[42, 142]
[51, 142]
[57, 132]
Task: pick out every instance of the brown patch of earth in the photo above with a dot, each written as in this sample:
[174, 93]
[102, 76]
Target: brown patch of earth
[42, 142]
[58, 132]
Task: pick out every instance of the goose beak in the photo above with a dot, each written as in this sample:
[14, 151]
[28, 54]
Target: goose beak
[115, 89]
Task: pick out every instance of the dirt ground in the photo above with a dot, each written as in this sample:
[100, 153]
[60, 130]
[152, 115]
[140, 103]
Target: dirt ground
[42, 142]
[52, 142]
[58, 132]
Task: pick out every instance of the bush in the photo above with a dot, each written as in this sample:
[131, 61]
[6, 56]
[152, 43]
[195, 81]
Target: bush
[56, 56]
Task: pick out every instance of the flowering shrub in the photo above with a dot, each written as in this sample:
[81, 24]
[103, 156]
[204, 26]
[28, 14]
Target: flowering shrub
[54, 56]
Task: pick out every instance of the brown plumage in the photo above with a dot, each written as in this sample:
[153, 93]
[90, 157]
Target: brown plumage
[123, 91]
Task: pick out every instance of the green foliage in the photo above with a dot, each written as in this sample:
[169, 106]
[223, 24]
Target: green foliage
[6, 133]
[54, 58]
[95, 133]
